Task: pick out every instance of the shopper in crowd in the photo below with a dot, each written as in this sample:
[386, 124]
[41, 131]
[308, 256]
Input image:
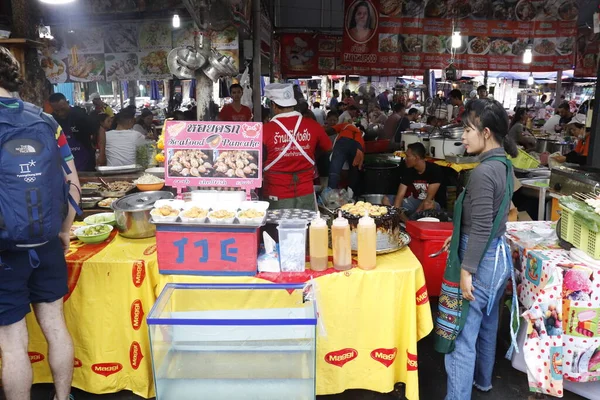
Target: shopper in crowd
[384, 101]
[564, 110]
[79, 129]
[122, 143]
[518, 133]
[396, 124]
[348, 153]
[420, 183]
[35, 276]
[482, 92]
[104, 125]
[456, 100]
[319, 113]
[266, 114]
[579, 155]
[236, 111]
[101, 107]
[348, 98]
[479, 260]
[333, 103]
[413, 115]
[144, 124]
[290, 142]
[349, 115]
[303, 109]
[376, 116]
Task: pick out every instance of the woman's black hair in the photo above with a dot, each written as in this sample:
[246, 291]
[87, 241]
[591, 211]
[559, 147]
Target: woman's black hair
[10, 75]
[485, 113]
[101, 117]
[519, 112]
[353, 18]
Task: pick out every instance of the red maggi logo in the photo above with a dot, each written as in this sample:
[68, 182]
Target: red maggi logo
[384, 356]
[106, 369]
[77, 363]
[138, 273]
[422, 297]
[150, 250]
[411, 362]
[341, 357]
[35, 357]
[135, 355]
[137, 314]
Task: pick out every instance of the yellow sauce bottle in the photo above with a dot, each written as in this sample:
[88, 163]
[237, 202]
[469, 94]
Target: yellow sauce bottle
[340, 240]
[367, 242]
[319, 244]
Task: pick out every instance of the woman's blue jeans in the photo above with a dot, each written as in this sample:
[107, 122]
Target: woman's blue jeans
[472, 361]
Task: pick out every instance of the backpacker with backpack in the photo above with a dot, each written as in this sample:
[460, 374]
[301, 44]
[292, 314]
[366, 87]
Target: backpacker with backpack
[34, 194]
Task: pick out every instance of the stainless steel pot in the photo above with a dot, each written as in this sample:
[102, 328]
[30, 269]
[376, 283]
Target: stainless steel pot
[132, 214]
[552, 146]
[453, 131]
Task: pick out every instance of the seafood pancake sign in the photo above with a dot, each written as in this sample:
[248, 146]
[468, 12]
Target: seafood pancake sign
[225, 154]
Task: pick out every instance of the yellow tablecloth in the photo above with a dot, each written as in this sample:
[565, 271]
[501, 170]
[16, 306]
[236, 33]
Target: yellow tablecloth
[377, 316]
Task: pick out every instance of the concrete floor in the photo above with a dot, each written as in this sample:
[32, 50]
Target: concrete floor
[509, 384]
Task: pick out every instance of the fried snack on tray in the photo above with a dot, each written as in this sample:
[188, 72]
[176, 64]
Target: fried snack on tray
[165, 211]
[360, 208]
[195, 212]
[222, 214]
[251, 214]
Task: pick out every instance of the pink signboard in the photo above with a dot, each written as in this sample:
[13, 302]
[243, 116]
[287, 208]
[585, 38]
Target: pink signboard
[213, 154]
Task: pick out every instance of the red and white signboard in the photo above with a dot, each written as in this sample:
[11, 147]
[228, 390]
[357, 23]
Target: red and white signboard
[213, 154]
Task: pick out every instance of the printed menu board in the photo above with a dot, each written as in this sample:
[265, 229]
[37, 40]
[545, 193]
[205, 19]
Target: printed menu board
[215, 154]
[305, 54]
[123, 51]
[417, 34]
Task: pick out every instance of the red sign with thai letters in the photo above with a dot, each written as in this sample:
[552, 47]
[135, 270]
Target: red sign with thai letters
[207, 251]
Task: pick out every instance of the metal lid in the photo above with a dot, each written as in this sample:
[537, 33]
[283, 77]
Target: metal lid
[140, 201]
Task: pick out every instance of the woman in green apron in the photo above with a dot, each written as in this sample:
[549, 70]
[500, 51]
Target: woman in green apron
[479, 262]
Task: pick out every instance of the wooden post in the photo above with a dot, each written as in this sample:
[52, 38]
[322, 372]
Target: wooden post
[25, 18]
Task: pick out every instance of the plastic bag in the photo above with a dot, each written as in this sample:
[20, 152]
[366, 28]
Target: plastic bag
[245, 82]
[335, 198]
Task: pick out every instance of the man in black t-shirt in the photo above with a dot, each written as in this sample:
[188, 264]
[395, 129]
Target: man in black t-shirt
[79, 130]
[420, 183]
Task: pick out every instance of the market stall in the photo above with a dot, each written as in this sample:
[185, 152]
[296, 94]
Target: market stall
[558, 294]
[113, 286]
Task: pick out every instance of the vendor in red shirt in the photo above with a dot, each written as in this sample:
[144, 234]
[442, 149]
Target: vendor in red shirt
[290, 142]
[236, 111]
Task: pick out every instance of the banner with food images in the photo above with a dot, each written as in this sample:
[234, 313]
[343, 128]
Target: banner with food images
[494, 34]
[587, 53]
[306, 54]
[215, 154]
[124, 51]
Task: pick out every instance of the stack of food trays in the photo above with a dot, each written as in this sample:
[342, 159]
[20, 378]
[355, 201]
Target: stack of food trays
[245, 214]
[96, 194]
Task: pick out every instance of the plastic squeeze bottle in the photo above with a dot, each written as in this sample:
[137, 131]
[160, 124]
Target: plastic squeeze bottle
[318, 243]
[340, 239]
[367, 246]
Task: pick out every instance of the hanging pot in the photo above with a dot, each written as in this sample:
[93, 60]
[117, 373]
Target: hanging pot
[212, 73]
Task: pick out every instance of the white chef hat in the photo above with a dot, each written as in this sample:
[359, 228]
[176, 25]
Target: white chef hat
[578, 119]
[281, 94]
[94, 96]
